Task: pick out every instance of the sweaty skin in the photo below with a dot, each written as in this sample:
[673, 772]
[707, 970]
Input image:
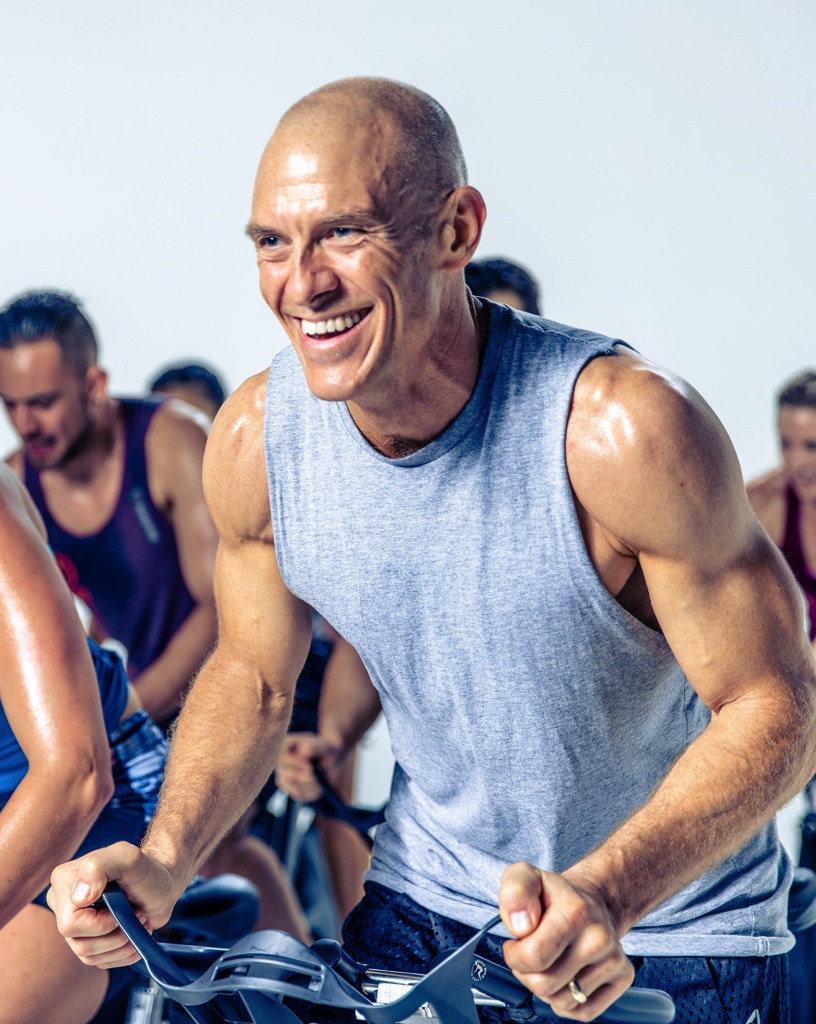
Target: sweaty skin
[72, 432]
[664, 514]
[50, 695]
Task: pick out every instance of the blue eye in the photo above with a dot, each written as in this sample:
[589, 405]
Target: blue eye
[268, 241]
[342, 232]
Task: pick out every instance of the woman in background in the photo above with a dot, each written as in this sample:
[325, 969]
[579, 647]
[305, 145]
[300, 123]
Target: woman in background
[784, 500]
[80, 767]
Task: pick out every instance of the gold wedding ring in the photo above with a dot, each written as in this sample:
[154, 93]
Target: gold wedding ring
[576, 993]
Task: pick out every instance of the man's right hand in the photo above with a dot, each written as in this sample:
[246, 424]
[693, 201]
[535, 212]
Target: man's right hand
[93, 934]
[294, 772]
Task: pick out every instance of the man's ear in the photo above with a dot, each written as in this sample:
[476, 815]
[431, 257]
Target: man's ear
[96, 384]
[462, 220]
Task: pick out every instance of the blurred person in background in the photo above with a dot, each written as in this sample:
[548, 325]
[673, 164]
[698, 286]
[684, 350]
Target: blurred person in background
[502, 281]
[192, 383]
[784, 501]
[117, 482]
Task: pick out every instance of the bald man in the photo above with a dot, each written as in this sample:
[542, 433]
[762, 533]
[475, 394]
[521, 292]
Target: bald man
[589, 654]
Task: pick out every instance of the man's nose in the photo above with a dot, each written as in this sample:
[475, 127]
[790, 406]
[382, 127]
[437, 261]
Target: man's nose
[312, 282]
[24, 421]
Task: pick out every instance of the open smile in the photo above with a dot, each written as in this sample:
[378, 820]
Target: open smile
[334, 324]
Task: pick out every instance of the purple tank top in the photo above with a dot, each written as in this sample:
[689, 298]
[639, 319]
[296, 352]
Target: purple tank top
[791, 548]
[128, 573]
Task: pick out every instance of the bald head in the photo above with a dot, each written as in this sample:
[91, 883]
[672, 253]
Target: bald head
[425, 158]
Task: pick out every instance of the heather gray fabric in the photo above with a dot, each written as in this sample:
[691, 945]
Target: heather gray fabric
[529, 713]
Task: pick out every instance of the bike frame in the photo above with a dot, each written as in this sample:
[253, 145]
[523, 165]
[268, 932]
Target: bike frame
[265, 967]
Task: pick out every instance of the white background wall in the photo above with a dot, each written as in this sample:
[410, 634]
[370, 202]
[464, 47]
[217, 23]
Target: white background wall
[653, 161]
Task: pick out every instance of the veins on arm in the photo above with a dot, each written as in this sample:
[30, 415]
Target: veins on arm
[657, 481]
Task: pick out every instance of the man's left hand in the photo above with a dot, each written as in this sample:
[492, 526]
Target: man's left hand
[565, 946]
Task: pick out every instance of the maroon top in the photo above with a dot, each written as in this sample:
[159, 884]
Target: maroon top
[128, 573]
[791, 548]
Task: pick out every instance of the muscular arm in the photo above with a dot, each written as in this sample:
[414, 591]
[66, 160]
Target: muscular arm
[657, 484]
[175, 450]
[50, 696]
[233, 722]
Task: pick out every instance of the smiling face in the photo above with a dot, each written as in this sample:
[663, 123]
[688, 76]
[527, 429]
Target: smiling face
[46, 400]
[797, 439]
[348, 262]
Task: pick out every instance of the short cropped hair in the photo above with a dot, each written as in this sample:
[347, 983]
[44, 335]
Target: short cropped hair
[799, 391]
[201, 378]
[38, 315]
[486, 276]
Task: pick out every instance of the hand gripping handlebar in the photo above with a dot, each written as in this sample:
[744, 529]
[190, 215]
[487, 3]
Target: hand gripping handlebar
[267, 966]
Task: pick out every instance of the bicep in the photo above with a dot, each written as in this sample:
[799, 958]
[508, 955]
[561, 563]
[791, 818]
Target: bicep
[736, 627]
[652, 464]
[261, 624]
[259, 620]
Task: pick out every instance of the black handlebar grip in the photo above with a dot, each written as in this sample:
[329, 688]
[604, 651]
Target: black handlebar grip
[332, 953]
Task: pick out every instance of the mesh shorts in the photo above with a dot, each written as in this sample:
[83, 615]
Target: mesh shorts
[391, 931]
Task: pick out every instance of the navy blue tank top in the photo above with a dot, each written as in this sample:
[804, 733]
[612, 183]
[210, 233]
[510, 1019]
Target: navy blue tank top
[128, 573]
[113, 693]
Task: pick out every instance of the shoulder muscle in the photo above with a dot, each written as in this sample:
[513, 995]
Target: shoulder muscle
[652, 465]
[235, 481]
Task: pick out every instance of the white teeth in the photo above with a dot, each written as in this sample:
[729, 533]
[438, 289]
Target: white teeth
[332, 325]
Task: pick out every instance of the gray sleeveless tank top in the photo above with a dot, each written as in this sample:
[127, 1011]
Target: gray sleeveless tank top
[529, 713]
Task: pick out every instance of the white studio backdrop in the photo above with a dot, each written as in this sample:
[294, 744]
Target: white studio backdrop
[653, 162]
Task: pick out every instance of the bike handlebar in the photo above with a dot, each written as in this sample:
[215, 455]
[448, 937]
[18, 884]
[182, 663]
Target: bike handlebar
[332, 805]
[266, 966]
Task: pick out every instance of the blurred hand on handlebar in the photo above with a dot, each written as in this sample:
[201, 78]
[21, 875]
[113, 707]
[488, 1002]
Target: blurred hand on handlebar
[564, 934]
[93, 934]
[294, 773]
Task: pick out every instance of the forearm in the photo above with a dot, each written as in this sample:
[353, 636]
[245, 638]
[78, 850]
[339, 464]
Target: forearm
[223, 750]
[43, 823]
[162, 685]
[349, 703]
[752, 758]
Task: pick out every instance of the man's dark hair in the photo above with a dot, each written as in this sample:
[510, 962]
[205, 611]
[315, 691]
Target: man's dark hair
[201, 378]
[799, 391]
[38, 315]
[486, 276]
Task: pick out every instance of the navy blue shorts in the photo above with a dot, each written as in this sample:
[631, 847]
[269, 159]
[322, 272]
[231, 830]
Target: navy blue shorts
[391, 931]
[138, 752]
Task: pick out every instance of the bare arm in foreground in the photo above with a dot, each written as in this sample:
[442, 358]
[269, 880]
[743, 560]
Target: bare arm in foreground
[50, 696]
[263, 641]
[659, 490]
